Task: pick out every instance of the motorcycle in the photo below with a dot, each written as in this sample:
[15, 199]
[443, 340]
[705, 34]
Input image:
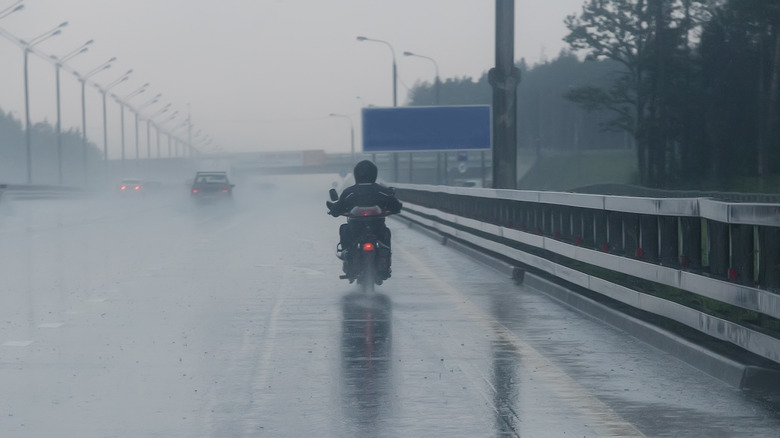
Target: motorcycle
[369, 257]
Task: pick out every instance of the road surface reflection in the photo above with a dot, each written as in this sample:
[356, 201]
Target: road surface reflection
[366, 363]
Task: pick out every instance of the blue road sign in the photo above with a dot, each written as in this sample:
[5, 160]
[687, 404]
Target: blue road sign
[426, 128]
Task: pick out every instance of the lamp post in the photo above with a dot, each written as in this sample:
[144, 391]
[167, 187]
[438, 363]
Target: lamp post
[57, 65]
[351, 134]
[104, 91]
[189, 131]
[148, 131]
[168, 133]
[83, 80]
[435, 102]
[28, 45]
[436, 80]
[122, 103]
[138, 110]
[177, 141]
[395, 75]
[395, 91]
[11, 9]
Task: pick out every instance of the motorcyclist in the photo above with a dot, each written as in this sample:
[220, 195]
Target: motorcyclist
[365, 193]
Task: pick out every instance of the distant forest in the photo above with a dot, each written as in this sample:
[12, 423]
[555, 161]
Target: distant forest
[692, 85]
[43, 142]
[546, 118]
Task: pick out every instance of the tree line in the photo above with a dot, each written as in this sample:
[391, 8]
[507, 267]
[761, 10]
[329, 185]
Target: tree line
[692, 85]
[43, 149]
[546, 118]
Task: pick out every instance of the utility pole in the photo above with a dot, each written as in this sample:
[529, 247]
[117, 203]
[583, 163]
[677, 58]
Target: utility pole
[189, 132]
[504, 78]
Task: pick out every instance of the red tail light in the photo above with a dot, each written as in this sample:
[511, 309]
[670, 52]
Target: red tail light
[368, 246]
[124, 187]
[194, 190]
[138, 187]
[224, 191]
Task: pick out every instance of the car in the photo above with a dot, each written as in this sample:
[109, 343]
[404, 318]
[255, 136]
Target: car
[211, 185]
[131, 187]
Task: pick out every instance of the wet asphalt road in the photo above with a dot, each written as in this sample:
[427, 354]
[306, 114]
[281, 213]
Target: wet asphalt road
[153, 317]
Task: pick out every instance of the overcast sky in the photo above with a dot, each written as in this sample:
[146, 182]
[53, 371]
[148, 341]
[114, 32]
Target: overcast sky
[260, 75]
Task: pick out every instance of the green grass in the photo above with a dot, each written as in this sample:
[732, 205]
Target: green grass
[570, 170]
[770, 184]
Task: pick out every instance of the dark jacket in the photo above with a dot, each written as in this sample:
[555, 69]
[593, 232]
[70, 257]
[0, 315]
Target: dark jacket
[365, 195]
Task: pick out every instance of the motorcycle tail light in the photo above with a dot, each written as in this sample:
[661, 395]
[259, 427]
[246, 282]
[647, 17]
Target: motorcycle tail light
[368, 247]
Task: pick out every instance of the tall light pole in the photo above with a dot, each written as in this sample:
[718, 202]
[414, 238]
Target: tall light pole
[395, 91]
[351, 134]
[137, 110]
[57, 65]
[185, 124]
[395, 74]
[435, 102]
[11, 9]
[104, 91]
[189, 130]
[122, 103]
[168, 133]
[28, 45]
[436, 80]
[83, 80]
[148, 131]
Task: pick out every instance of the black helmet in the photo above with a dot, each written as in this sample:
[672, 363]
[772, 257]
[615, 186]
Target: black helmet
[365, 172]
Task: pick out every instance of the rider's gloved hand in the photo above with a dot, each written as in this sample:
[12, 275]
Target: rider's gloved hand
[330, 208]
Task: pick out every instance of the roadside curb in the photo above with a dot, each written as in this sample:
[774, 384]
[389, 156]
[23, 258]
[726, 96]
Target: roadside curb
[737, 373]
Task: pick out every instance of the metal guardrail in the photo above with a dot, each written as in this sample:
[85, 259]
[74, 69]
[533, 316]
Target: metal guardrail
[723, 251]
[645, 192]
[30, 191]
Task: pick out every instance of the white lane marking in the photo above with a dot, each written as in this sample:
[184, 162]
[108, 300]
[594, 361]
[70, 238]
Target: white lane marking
[17, 343]
[566, 388]
[50, 325]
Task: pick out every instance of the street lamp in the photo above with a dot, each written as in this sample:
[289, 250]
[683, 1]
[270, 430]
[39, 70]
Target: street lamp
[395, 92]
[28, 45]
[436, 66]
[83, 80]
[136, 111]
[104, 91]
[58, 64]
[436, 102]
[168, 133]
[11, 9]
[185, 124]
[395, 75]
[351, 134]
[189, 131]
[148, 131]
[122, 103]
